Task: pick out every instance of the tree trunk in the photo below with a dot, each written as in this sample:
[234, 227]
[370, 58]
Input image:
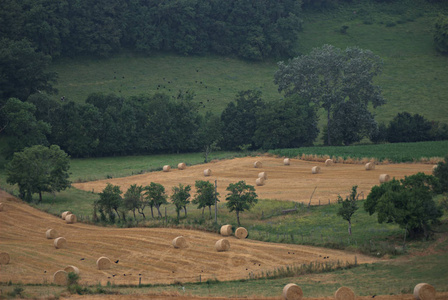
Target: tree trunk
[328, 128]
[119, 218]
[152, 212]
[203, 211]
[238, 217]
[178, 213]
[349, 227]
[210, 210]
[40, 197]
[185, 209]
[135, 218]
[158, 210]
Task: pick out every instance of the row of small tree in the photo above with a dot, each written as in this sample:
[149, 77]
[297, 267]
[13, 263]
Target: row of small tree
[112, 204]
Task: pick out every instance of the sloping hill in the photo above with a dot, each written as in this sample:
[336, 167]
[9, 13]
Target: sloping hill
[139, 252]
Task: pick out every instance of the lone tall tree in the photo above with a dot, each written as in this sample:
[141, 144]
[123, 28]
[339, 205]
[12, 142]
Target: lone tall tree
[349, 207]
[39, 169]
[329, 77]
[241, 197]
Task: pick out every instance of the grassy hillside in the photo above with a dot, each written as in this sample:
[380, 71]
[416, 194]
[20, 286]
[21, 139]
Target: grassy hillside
[414, 77]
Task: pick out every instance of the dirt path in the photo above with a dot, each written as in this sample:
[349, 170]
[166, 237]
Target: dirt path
[294, 182]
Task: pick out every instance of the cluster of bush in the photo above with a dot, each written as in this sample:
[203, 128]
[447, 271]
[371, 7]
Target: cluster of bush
[405, 128]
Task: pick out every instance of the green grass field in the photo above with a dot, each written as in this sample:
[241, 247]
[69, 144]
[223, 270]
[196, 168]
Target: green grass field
[414, 77]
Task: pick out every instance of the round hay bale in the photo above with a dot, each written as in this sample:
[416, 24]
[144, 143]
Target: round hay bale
[226, 230]
[292, 291]
[263, 175]
[51, 233]
[424, 291]
[315, 170]
[181, 166]
[344, 293]
[103, 263]
[259, 181]
[1, 206]
[222, 245]
[241, 233]
[329, 162]
[258, 164]
[207, 172]
[370, 166]
[72, 269]
[60, 277]
[4, 258]
[65, 213]
[60, 243]
[180, 242]
[286, 161]
[166, 168]
[384, 178]
[70, 219]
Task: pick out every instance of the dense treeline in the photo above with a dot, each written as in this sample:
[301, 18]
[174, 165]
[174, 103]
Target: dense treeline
[249, 29]
[108, 125]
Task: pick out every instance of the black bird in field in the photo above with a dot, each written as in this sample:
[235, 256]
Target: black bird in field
[117, 261]
[139, 274]
[113, 275]
[124, 274]
[45, 271]
[373, 296]
[82, 258]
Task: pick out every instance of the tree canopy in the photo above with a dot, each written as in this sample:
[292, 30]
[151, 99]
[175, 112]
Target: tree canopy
[407, 202]
[39, 169]
[205, 195]
[240, 197]
[330, 77]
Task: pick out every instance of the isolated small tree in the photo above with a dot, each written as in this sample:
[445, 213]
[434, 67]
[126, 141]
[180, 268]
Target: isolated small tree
[133, 198]
[155, 194]
[39, 169]
[180, 197]
[205, 195]
[407, 202]
[348, 207]
[110, 201]
[241, 197]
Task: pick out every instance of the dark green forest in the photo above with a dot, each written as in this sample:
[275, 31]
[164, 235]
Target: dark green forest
[33, 33]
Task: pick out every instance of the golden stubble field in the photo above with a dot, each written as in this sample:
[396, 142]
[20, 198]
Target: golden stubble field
[294, 182]
[147, 253]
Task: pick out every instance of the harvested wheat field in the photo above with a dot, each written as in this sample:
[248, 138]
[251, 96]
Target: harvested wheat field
[293, 182]
[135, 251]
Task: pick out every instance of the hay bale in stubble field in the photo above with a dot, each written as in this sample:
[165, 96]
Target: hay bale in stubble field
[241, 233]
[315, 170]
[258, 164]
[226, 230]
[166, 168]
[286, 161]
[222, 245]
[60, 277]
[207, 172]
[180, 242]
[60, 243]
[65, 213]
[103, 263]
[259, 181]
[329, 162]
[370, 166]
[51, 233]
[344, 293]
[424, 291]
[292, 291]
[182, 166]
[4, 258]
[263, 175]
[71, 269]
[384, 178]
[70, 219]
